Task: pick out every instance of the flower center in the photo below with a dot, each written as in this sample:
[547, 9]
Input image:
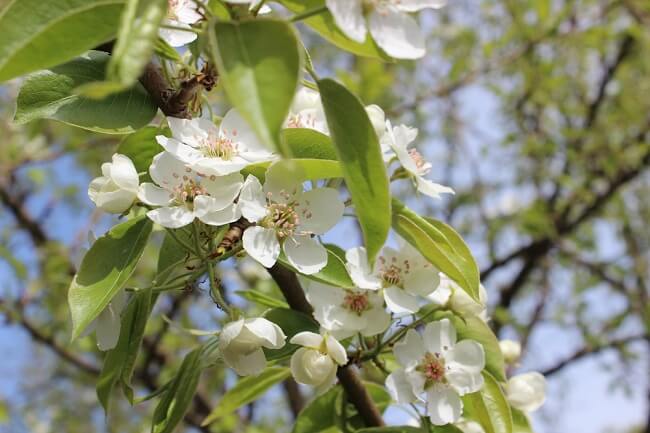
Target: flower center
[283, 218]
[357, 302]
[188, 190]
[392, 273]
[171, 10]
[219, 147]
[433, 368]
[301, 121]
[422, 165]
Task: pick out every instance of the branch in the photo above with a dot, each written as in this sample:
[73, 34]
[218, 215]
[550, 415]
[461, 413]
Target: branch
[354, 388]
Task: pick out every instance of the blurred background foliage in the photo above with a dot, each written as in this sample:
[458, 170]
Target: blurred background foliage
[537, 112]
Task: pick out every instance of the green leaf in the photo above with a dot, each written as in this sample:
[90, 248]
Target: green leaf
[262, 298]
[177, 398]
[141, 147]
[380, 397]
[291, 322]
[297, 170]
[334, 273]
[520, 422]
[246, 390]
[171, 252]
[49, 95]
[259, 64]
[489, 407]
[105, 269]
[120, 361]
[449, 428]
[319, 415]
[438, 248]
[309, 144]
[325, 26]
[135, 40]
[363, 167]
[473, 328]
[163, 49]
[391, 429]
[38, 34]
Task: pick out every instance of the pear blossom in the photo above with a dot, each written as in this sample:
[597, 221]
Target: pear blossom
[469, 426]
[286, 219]
[117, 188]
[395, 143]
[315, 363]
[527, 391]
[214, 151]
[307, 111]
[388, 21]
[403, 274]
[346, 312]
[450, 295]
[241, 343]
[184, 195]
[180, 13]
[107, 325]
[437, 370]
[511, 350]
[377, 119]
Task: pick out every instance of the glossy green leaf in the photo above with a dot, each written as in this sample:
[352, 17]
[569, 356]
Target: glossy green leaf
[489, 407]
[520, 422]
[325, 26]
[320, 415]
[334, 273]
[473, 328]
[163, 49]
[141, 147]
[120, 361]
[135, 40]
[259, 64]
[171, 253]
[361, 159]
[297, 170]
[437, 248]
[262, 299]
[247, 390]
[391, 429]
[39, 34]
[308, 143]
[105, 269]
[291, 322]
[49, 95]
[177, 398]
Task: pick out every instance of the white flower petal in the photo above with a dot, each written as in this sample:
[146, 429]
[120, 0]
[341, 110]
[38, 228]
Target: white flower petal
[319, 210]
[123, 173]
[116, 202]
[409, 350]
[467, 355]
[348, 15]
[359, 269]
[250, 364]
[400, 301]
[377, 118]
[252, 200]
[440, 336]
[397, 33]
[167, 171]
[418, 5]
[307, 339]
[229, 332]
[305, 254]
[176, 38]
[154, 195]
[107, 328]
[269, 332]
[223, 189]
[262, 245]
[431, 189]
[464, 382]
[421, 281]
[444, 406]
[511, 350]
[171, 217]
[217, 217]
[336, 351]
[526, 392]
[181, 151]
[234, 127]
[400, 388]
[377, 321]
[186, 11]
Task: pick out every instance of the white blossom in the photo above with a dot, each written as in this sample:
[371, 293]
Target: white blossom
[346, 312]
[469, 426]
[180, 13]
[286, 219]
[436, 370]
[451, 295]
[403, 274]
[511, 350]
[388, 21]
[307, 111]
[395, 143]
[184, 195]
[527, 391]
[241, 343]
[377, 119]
[117, 188]
[316, 362]
[107, 325]
[214, 151]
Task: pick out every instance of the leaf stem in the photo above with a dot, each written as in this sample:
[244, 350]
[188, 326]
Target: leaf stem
[179, 241]
[308, 13]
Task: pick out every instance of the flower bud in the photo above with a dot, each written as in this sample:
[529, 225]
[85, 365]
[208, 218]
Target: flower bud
[316, 362]
[117, 188]
[511, 350]
[451, 295]
[377, 118]
[527, 391]
[241, 344]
